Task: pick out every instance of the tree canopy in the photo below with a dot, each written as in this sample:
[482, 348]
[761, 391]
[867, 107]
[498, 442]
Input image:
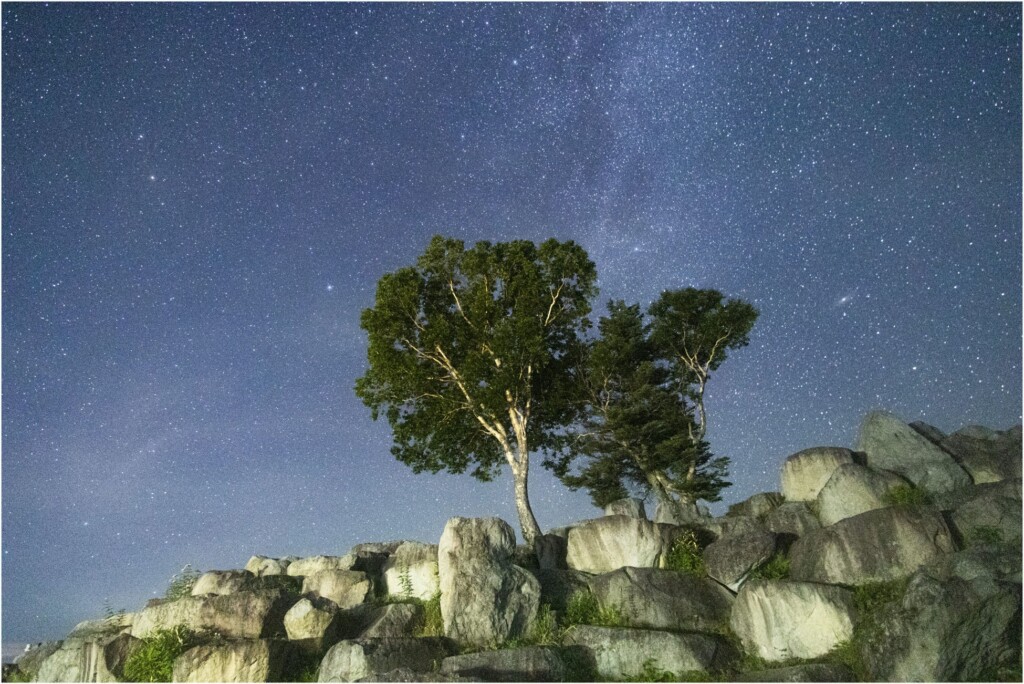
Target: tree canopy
[471, 353]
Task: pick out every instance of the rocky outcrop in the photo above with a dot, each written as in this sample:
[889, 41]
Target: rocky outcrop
[485, 599]
[792, 519]
[244, 615]
[260, 660]
[261, 566]
[663, 599]
[529, 664]
[551, 550]
[854, 489]
[877, 546]
[779, 620]
[346, 588]
[630, 507]
[352, 660]
[29, 662]
[411, 571]
[992, 514]
[393, 620]
[988, 455]
[625, 653]
[806, 472]
[95, 658]
[618, 541]
[731, 559]
[304, 567]
[757, 506]
[311, 618]
[556, 586]
[890, 444]
[222, 582]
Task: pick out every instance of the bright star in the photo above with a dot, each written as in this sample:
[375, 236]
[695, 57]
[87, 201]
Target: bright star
[330, 288]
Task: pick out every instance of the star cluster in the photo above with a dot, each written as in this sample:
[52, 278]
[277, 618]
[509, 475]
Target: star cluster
[198, 200]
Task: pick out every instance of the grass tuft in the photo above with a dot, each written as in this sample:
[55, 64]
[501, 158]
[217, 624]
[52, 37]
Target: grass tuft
[154, 659]
[906, 495]
[776, 568]
[685, 555]
[582, 608]
[181, 583]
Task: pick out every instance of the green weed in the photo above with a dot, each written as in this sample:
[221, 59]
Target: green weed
[433, 623]
[906, 495]
[685, 555]
[154, 659]
[986, 534]
[776, 568]
[582, 608]
[181, 583]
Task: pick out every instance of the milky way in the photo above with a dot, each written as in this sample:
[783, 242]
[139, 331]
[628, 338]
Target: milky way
[199, 199]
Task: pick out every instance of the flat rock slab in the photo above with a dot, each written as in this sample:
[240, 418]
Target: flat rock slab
[622, 653]
[346, 588]
[303, 567]
[988, 456]
[778, 619]
[663, 599]
[854, 489]
[261, 660]
[245, 615]
[222, 582]
[792, 519]
[877, 546]
[806, 472]
[617, 541]
[890, 444]
[731, 559]
[530, 664]
[350, 660]
[394, 620]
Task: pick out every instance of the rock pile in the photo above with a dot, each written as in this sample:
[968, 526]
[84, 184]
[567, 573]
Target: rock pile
[899, 560]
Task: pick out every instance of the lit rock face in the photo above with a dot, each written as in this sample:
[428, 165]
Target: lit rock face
[630, 507]
[222, 582]
[663, 599]
[618, 541]
[346, 588]
[261, 566]
[792, 519]
[411, 571]
[877, 546]
[890, 444]
[304, 567]
[244, 615]
[806, 472]
[778, 620]
[352, 660]
[95, 658]
[311, 619]
[854, 489]
[622, 653]
[261, 660]
[485, 598]
[730, 559]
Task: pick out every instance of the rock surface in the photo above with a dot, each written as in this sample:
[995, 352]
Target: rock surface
[260, 660]
[97, 658]
[989, 516]
[393, 620]
[556, 586]
[777, 620]
[630, 507]
[346, 588]
[757, 506]
[988, 456]
[551, 550]
[663, 599]
[351, 660]
[222, 582]
[618, 541]
[854, 489]
[245, 615]
[792, 519]
[485, 599]
[877, 546]
[261, 566]
[304, 567]
[890, 444]
[411, 571]
[811, 672]
[806, 472]
[731, 559]
[311, 618]
[29, 661]
[622, 653]
[529, 664]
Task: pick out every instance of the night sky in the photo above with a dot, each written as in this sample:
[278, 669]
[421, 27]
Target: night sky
[199, 200]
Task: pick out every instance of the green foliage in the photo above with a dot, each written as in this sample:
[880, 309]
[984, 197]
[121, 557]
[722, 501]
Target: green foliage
[292, 585]
[433, 623]
[311, 673]
[986, 534]
[153, 660]
[471, 353]
[405, 581]
[181, 583]
[582, 608]
[686, 556]
[776, 568]
[16, 675]
[652, 673]
[906, 495]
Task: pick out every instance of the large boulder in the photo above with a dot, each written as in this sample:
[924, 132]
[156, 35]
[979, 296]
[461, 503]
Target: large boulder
[947, 631]
[262, 566]
[260, 660]
[304, 567]
[627, 653]
[890, 444]
[854, 489]
[877, 546]
[311, 618]
[551, 550]
[411, 571]
[352, 660]
[529, 664]
[346, 588]
[757, 506]
[778, 620]
[556, 586]
[791, 520]
[990, 515]
[617, 541]
[394, 620]
[678, 513]
[32, 658]
[988, 455]
[731, 559]
[485, 599]
[663, 599]
[95, 658]
[222, 582]
[806, 472]
[245, 615]
[629, 507]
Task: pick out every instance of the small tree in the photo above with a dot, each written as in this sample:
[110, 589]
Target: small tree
[471, 352]
[644, 419]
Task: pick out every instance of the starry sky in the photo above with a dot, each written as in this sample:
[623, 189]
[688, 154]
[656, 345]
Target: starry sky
[198, 201]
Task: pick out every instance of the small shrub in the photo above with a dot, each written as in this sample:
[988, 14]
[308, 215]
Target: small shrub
[986, 534]
[906, 495]
[154, 659]
[291, 584]
[181, 583]
[582, 608]
[16, 675]
[405, 581]
[433, 623]
[685, 555]
[776, 568]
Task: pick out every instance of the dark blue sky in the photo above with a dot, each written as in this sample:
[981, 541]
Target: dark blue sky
[198, 201]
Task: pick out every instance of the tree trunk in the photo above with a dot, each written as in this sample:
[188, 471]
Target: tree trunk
[527, 522]
[683, 510]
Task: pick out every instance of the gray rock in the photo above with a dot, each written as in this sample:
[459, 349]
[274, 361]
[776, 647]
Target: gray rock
[261, 660]
[757, 506]
[404, 674]
[529, 664]
[663, 599]
[346, 588]
[984, 567]
[351, 660]
[989, 517]
[222, 582]
[485, 599]
[622, 653]
[29, 661]
[854, 489]
[304, 567]
[877, 546]
[929, 432]
[778, 619]
[629, 507]
[113, 625]
[731, 559]
[989, 456]
[394, 620]
[811, 672]
[311, 618]
[385, 548]
[806, 472]
[946, 631]
[890, 444]
[680, 514]
[96, 658]
[618, 541]
[411, 571]
[262, 566]
[792, 519]
[556, 586]
[551, 550]
[245, 615]
[729, 526]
